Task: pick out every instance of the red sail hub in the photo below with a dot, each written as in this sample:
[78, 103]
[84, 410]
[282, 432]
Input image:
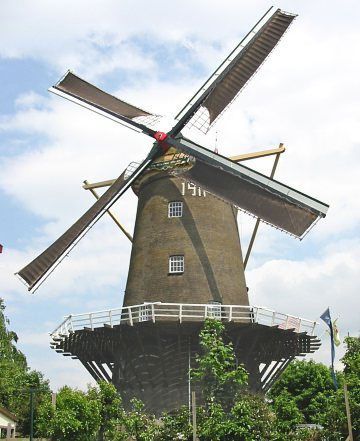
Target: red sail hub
[160, 138]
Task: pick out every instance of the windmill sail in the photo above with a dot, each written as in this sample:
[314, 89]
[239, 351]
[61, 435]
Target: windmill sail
[76, 89]
[234, 73]
[35, 271]
[259, 195]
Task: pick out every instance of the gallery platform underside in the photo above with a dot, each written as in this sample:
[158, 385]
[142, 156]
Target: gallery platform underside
[150, 359]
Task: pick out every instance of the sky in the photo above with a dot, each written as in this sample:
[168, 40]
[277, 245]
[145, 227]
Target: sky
[156, 55]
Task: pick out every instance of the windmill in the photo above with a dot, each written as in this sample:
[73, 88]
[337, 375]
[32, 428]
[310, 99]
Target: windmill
[184, 265]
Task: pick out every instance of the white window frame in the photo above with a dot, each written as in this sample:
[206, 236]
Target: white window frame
[214, 310]
[175, 209]
[144, 312]
[176, 264]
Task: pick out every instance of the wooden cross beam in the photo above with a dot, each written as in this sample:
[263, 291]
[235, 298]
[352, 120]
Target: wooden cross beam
[88, 186]
[261, 154]
[280, 150]
[91, 187]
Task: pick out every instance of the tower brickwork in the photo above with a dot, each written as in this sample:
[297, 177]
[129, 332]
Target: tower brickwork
[205, 235]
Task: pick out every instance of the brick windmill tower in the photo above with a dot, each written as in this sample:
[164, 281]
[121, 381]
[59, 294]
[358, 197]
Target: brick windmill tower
[186, 262]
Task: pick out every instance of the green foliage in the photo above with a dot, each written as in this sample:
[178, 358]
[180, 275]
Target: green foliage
[351, 362]
[176, 426]
[249, 419]
[332, 417]
[8, 340]
[112, 413]
[230, 413]
[303, 382]
[306, 390]
[245, 421]
[139, 425]
[76, 417]
[95, 415]
[44, 418]
[287, 412]
[252, 419]
[16, 378]
[305, 435]
[214, 423]
[216, 371]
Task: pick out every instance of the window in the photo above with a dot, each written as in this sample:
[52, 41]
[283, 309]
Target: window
[144, 313]
[214, 310]
[175, 209]
[176, 264]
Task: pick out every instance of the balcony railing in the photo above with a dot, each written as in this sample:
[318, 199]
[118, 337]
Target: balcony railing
[182, 312]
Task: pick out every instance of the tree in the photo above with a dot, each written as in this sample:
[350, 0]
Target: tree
[306, 383]
[97, 414]
[305, 393]
[217, 371]
[230, 412]
[76, 417]
[16, 378]
[116, 424]
[176, 426]
[139, 425]
[287, 412]
[8, 340]
[333, 416]
[351, 362]
[253, 419]
[309, 386]
[112, 413]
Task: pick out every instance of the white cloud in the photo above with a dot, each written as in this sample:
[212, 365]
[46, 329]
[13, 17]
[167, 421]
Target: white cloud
[96, 40]
[59, 369]
[35, 339]
[306, 288]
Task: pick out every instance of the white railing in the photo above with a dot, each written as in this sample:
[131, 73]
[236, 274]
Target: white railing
[181, 312]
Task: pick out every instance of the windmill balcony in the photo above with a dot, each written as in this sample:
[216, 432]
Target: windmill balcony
[182, 312]
[146, 350]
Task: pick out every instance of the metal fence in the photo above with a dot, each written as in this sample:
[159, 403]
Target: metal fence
[182, 312]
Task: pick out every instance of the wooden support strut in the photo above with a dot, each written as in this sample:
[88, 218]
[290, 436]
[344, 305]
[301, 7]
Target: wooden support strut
[261, 154]
[92, 187]
[89, 186]
[280, 150]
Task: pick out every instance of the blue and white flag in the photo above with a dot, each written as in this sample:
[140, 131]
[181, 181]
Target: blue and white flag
[325, 316]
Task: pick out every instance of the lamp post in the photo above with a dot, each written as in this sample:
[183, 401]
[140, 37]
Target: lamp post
[32, 391]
